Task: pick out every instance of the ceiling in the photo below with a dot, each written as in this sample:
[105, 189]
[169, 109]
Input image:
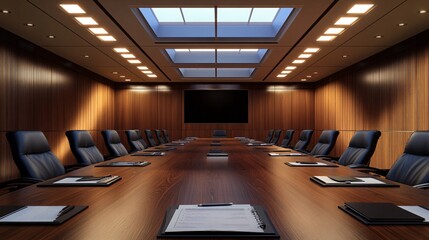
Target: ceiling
[310, 20]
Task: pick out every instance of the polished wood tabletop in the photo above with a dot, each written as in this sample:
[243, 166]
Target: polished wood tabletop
[134, 207]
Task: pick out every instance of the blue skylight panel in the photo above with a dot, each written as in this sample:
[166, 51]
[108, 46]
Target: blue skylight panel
[199, 15]
[263, 15]
[233, 15]
[234, 72]
[216, 55]
[198, 72]
[168, 15]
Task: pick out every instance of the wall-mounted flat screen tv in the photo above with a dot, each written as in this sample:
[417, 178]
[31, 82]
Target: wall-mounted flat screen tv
[216, 106]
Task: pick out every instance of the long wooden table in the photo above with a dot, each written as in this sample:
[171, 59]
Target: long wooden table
[134, 207]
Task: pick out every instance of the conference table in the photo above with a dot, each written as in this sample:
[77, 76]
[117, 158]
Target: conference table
[134, 207]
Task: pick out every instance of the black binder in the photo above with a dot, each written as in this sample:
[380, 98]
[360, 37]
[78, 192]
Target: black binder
[124, 164]
[9, 210]
[381, 214]
[269, 231]
[102, 183]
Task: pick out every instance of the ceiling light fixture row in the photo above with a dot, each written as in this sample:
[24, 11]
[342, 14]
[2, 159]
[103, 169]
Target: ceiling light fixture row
[339, 26]
[131, 58]
[308, 52]
[84, 20]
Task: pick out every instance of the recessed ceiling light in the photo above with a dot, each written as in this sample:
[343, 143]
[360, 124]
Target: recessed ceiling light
[345, 56]
[86, 56]
[72, 8]
[298, 61]
[311, 50]
[152, 75]
[147, 72]
[346, 21]
[309, 76]
[5, 11]
[134, 61]
[98, 30]
[423, 11]
[51, 36]
[360, 8]
[142, 68]
[128, 55]
[401, 24]
[286, 72]
[316, 73]
[29, 24]
[290, 67]
[115, 72]
[334, 30]
[378, 36]
[127, 80]
[325, 38]
[120, 50]
[122, 76]
[281, 75]
[305, 55]
[107, 38]
[303, 79]
[86, 20]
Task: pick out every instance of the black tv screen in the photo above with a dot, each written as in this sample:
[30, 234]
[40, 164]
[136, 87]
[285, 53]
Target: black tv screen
[216, 106]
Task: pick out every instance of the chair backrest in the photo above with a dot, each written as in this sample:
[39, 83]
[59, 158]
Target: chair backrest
[135, 140]
[166, 136]
[361, 148]
[219, 133]
[159, 136]
[83, 147]
[150, 138]
[326, 142]
[276, 136]
[412, 167]
[304, 140]
[288, 138]
[33, 156]
[269, 136]
[113, 143]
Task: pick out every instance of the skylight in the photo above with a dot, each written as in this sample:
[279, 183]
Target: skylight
[216, 72]
[216, 55]
[216, 22]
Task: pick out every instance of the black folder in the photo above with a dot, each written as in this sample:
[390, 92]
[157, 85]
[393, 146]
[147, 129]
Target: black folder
[9, 210]
[355, 184]
[149, 154]
[124, 164]
[101, 183]
[269, 231]
[381, 213]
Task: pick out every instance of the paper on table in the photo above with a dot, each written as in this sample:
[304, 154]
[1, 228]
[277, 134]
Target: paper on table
[73, 180]
[34, 214]
[365, 180]
[235, 218]
[419, 211]
[307, 164]
[285, 154]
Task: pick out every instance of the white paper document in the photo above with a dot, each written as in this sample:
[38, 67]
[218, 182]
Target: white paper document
[235, 218]
[307, 164]
[365, 180]
[419, 211]
[285, 154]
[74, 180]
[34, 214]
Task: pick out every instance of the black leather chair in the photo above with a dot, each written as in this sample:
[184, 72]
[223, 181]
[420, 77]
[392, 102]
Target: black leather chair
[33, 156]
[304, 140]
[326, 142]
[269, 136]
[287, 138]
[150, 138]
[113, 143]
[219, 133]
[83, 147]
[160, 137]
[166, 136]
[135, 140]
[360, 150]
[276, 136]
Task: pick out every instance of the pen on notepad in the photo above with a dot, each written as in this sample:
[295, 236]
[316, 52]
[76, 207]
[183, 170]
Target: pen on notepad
[214, 204]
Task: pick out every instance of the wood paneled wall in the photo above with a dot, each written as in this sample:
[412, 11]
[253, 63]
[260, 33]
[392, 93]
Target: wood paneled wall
[151, 107]
[39, 92]
[387, 92]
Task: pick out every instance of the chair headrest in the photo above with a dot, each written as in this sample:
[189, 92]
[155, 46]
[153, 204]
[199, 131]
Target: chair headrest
[111, 136]
[327, 136]
[28, 142]
[418, 144]
[364, 139]
[80, 138]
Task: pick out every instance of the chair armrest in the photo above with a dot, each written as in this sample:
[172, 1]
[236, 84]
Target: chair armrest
[324, 156]
[358, 166]
[73, 167]
[368, 169]
[422, 186]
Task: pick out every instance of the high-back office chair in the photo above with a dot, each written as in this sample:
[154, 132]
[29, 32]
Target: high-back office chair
[83, 147]
[276, 136]
[304, 140]
[269, 136]
[287, 138]
[113, 143]
[166, 136]
[150, 138]
[33, 156]
[160, 137]
[219, 133]
[361, 148]
[326, 142]
[135, 140]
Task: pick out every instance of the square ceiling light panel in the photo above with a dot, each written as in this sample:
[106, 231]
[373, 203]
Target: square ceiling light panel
[216, 22]
[216, 55]
[216, 72]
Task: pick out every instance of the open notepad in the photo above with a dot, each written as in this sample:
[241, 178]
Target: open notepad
[348, 181]
[276, 154]
[37, 214]
[81, 181]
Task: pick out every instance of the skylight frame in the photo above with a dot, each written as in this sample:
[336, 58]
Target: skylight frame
[216, 72]
[213, 56]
